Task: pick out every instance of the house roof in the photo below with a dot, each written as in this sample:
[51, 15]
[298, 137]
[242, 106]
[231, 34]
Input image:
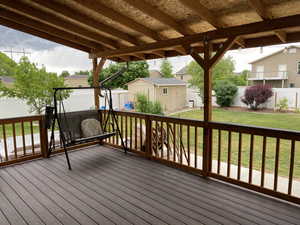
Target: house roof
[161, 81]
[274, 53]
[182, 71]
[146, 29]
[7, 79]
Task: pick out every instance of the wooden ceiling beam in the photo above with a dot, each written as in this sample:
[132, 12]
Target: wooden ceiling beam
[47, 29]
[118, 17]
[203, 12]
[260, 9]
[80, 17]
[281, 35]
[252, 28]
[37, 33]
[159, 15]
[44, 17]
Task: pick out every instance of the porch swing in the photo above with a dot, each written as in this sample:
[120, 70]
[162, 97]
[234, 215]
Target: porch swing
[82, 126]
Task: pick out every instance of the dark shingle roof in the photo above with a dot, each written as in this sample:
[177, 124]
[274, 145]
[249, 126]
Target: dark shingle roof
[164, 81]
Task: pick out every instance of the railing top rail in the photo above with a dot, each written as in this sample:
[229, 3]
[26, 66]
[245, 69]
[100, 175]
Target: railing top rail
[21, 119]
[256, 130]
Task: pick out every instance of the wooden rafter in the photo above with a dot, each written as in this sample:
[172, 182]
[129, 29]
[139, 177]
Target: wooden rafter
[264, 14]
[77, 16]
[263, 26]
[43, 35]
[47, 29]
[118, 17]
[208, 16]
[46, 18]
[160, 16]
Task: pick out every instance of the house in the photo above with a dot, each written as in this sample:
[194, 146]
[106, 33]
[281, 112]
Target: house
[182, 74]
[280, 69]
[170, 92]
[77, 81]
[7, 81]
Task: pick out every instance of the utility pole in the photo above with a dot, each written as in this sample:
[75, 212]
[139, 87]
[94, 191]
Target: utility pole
[11, 52]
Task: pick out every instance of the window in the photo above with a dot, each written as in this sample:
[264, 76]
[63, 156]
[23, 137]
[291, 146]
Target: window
[291, 85]
[165, 91]
[292, 50]
[181, 77]
[298, 68]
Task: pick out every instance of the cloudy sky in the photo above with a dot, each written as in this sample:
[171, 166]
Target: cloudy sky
[57, 58]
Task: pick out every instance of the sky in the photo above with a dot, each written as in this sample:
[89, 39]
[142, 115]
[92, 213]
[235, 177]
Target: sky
[56, 57]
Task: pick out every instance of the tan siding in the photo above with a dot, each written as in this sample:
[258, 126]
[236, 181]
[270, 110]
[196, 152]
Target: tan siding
[140, 87]
[185, 77]
[76, 82]
[271, 65]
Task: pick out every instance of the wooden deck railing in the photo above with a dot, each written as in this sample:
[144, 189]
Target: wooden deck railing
[262, 159]
[22, 139]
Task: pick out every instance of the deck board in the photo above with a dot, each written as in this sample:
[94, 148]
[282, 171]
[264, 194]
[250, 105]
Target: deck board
[108, 187]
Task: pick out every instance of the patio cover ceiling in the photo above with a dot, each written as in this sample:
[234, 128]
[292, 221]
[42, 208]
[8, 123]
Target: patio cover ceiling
[126, 30]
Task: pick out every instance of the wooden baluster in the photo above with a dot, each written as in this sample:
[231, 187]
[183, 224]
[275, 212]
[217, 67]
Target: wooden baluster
[32, 137]
[23, 138]
[229, 154]
[162, 139]
[219, 150]
[148, 137]
[292, 161]
[251, 159]
[188, 144]
[168, 141]
[5, 143]
[122, 130]
[174, 142]
[156, 138]
[276, 163]
[180, 138]
[141, 134]
[263, 162]
[130, 130]
[126, 131]
[239, 156]
[196, 147]
[135, 133]
[14, 139]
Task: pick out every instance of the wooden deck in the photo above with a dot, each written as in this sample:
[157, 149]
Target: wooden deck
[108, 187]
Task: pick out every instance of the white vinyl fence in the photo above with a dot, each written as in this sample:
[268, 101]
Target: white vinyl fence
[291, 94]
[78, 100]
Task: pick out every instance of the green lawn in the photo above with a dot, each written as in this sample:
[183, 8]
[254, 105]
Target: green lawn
[274, 120]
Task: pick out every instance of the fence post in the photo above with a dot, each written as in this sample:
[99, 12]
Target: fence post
[43, 137]
[148, 150]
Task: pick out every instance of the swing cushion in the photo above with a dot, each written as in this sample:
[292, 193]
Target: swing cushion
[90, 128]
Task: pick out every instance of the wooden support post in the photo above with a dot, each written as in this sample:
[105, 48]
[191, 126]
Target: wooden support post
[96, 71]
[207, 63]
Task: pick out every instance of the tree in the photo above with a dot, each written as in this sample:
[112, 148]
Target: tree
[223, 70]
[64, 73]
[257, 95]
[225, 93]
[166, 69]
[135, 70]
[34, 85]
[7, 65]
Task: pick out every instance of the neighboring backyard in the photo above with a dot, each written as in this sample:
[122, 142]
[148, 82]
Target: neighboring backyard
[289, 121]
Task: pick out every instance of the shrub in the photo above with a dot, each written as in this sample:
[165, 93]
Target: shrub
[225, 93]
[257, 95]
[283, 105]
[146, 106]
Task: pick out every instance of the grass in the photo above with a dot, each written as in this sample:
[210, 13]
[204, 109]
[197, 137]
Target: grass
[273, 120]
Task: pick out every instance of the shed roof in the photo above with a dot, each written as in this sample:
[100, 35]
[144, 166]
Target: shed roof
[125, 30]
[161, 81]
